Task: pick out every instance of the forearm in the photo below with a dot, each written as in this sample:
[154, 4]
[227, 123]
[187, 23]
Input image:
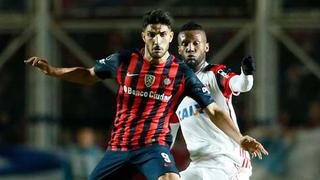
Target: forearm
[241, 83]
[222, 120]
[78, 75]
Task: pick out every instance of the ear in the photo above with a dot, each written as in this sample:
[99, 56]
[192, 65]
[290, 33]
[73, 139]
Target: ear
[143, 36]
[207, 47]
[171, 35]
[180, 50]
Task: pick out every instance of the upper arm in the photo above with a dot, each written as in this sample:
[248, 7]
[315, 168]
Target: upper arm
[223, 76]
[107, 67]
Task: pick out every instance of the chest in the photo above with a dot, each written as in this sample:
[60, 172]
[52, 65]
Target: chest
[146, 80]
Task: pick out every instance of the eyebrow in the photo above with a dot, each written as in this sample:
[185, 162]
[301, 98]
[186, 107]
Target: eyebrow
[157, 32]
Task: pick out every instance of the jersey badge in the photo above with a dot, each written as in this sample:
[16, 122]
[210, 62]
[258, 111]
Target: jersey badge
[149, 80]
[166, 81]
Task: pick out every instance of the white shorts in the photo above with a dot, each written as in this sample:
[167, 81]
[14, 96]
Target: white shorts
[198, 171]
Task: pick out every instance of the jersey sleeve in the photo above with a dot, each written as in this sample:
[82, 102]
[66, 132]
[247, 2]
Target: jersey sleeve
[196, 90]
[108, 67]
[223, 76]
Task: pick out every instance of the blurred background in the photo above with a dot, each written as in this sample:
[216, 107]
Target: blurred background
[53, 129]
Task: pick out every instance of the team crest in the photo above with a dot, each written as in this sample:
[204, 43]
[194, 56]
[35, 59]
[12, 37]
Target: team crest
[149, 80]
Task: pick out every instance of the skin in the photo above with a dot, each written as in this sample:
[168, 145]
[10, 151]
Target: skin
[157, 38]
[193, 46]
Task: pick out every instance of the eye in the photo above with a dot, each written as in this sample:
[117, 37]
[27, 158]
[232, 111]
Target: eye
[163, 34]
[196, 43]
[151, 34]
[185, 44]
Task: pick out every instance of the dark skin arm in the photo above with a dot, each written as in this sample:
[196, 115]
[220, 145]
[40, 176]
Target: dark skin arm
[222, 120]
[80, 75]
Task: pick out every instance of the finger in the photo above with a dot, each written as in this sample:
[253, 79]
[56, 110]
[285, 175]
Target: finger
[28, 61]
[264, 151]
[34, 61]
[38, 62]
[259, 154]
[252, 154]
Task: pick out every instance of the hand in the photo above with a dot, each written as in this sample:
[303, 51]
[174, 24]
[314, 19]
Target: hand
[248, 65]
[40, 63]
[252, 146]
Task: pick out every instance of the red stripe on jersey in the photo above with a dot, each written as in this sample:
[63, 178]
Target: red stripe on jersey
[161, 109]
[118, 123]
[174, 119]
[243, 162]
[150, 102]
[118, 100]
[227, 90]
[218, 69]
[174, 101]
[135, 109]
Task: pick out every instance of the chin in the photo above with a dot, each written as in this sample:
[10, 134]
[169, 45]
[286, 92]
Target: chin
[157, 55]
[191, 62]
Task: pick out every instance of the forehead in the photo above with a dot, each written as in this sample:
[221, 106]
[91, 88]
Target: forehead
[157, 28]
[194, 35]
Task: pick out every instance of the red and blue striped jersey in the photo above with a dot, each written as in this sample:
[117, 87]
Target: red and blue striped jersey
[148, 96]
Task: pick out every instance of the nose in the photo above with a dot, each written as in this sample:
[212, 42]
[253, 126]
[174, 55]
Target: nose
[190, 47]
[157, 39]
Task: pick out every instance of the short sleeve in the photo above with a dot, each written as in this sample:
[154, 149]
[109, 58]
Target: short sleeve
[223, 76]
[196, 90]
[108, 67]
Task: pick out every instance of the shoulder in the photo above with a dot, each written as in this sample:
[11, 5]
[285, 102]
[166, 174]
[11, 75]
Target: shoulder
[129, 52]
[182, 65]
[215, 68]
[177, 60]
[123, 55]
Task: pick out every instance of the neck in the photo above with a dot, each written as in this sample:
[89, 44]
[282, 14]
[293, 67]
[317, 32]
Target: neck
[200, 66]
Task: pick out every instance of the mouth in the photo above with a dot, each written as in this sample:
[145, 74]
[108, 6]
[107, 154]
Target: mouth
[157, 49]
[191, 57]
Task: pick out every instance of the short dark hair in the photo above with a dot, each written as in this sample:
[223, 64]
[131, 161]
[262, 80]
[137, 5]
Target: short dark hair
[157, 16]
[191, 26]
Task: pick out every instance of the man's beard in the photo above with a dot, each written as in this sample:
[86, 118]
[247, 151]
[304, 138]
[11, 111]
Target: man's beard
[156, 55]
[192, 63]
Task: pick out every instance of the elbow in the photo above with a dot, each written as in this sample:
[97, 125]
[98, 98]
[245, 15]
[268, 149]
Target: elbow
[212, 109]
[249, 84]
[245, 82]
[248, 87]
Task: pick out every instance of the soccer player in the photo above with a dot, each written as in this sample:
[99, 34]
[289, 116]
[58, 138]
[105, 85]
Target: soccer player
[152, 83]
[213, 154]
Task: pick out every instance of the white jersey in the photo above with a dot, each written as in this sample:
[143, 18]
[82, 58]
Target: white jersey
[205, 141]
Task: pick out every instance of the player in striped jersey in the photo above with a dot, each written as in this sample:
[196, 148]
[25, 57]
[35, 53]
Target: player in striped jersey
[152, 84]
[213, 154]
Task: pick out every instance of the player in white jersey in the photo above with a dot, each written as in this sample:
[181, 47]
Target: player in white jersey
[213, 154]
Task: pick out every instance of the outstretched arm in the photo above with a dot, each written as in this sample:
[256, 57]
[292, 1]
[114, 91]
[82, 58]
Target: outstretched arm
[241, 83]
[244, 81]
[79, 75]
[223, 122]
